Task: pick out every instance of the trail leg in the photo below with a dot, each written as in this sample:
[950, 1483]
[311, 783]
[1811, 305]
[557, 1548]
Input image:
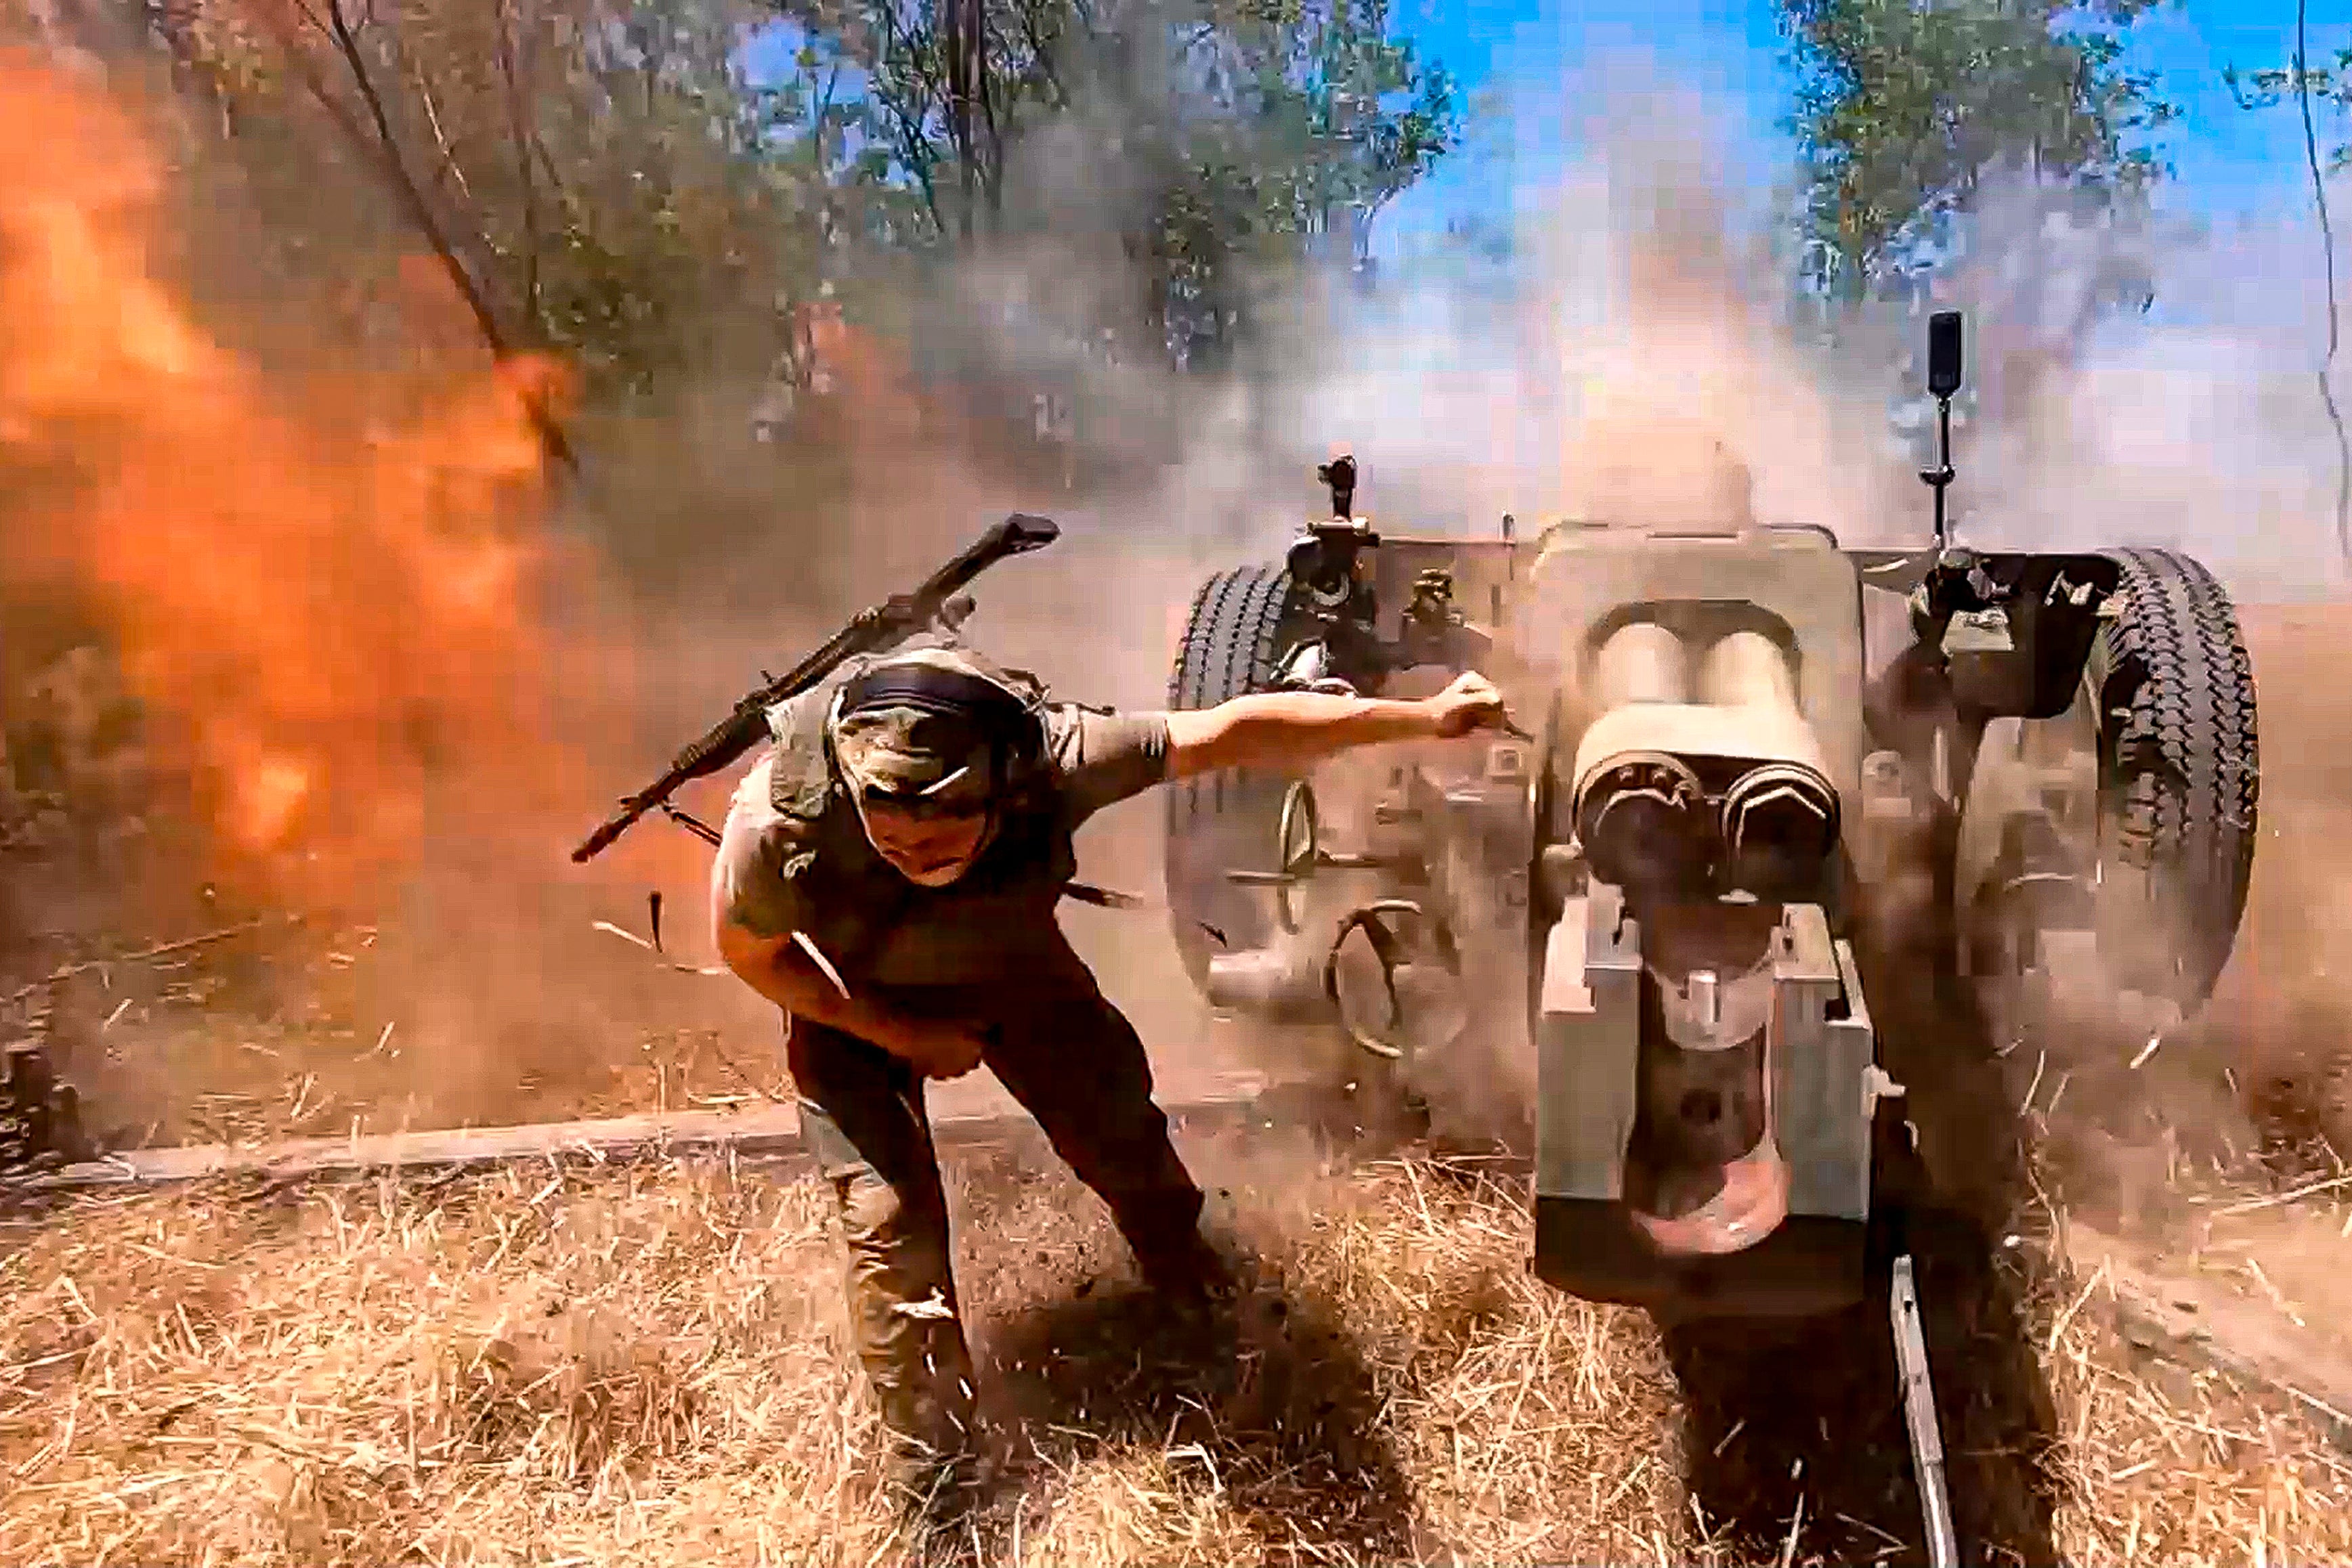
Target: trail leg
[1919, 1416]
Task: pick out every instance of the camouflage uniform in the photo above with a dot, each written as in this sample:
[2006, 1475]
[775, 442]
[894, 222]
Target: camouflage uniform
[985, 950]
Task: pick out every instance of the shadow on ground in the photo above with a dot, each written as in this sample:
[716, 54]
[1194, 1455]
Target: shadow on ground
[1269, 1401]
[1809, 1417]
[1810, 1412]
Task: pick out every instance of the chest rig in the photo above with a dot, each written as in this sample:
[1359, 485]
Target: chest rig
[859, 901]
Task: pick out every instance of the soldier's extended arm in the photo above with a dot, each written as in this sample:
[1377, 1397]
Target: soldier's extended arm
[1287, 730]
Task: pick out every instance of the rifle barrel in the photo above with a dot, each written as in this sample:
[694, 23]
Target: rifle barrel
[871, 630]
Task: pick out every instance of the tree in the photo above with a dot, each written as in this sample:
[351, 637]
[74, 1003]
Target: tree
[1245, 135]
[604, 180]
[2301, 84]
[595, 174]
[1906, 109]
[1305, 126]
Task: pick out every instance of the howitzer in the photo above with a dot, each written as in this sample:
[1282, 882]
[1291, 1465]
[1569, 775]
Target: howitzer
[874, 631]
[1744, 797]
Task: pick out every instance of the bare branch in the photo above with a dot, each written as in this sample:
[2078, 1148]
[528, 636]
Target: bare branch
[993, 176]
[440, 139]
[1043, 57]
[518, 124]
[914, 141]
[555, 182]
[419, 211]
[956, 48]
[385, 153]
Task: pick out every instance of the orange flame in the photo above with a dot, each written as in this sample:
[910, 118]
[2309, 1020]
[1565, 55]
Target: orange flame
[331, 604]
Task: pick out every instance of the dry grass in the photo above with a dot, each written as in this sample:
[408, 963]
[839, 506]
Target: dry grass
[297, 1031]
[648, 1367]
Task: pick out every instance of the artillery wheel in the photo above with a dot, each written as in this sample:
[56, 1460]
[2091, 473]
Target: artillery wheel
[1231, 820]
[2149, 782]
[2181, 772]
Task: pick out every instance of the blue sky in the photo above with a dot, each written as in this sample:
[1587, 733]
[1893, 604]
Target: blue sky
[1526, 54]
[2230, 162]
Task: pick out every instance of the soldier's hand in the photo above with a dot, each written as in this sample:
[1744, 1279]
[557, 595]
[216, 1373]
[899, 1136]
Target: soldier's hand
[1471, 703]
[944, 1050]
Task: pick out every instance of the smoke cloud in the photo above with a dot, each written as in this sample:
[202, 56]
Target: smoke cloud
[391, 651]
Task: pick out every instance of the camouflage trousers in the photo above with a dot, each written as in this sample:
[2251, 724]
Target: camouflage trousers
[1076, 1064]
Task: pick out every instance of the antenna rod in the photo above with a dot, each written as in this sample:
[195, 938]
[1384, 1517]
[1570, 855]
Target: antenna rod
[1943, 357]
[1941, 475]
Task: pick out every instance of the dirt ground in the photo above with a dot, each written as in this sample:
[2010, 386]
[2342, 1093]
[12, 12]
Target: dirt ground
[648, 1365]
[2191, 1154]
[648, 1368]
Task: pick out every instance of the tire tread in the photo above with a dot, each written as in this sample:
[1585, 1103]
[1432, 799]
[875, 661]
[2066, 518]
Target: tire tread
[2183, 744]
[1231, 644]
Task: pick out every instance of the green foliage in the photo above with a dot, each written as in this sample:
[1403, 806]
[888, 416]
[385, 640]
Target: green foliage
[598, 168]
[1905, 107]
[607, 158]
[2326, 86]
[612, 185]
[1239, 138]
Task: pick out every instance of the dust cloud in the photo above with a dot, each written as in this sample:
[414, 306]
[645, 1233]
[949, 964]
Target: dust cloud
[2186, 414]
[2140, 382]
[403, 666]
[407, 669]
[406, 673]
[2199, 426]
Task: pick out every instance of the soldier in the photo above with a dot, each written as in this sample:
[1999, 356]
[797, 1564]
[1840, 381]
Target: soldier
[888, 876]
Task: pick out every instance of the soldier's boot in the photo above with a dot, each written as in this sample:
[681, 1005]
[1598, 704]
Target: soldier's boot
[930, 1454]
[1202, 1264]
[911, 1343]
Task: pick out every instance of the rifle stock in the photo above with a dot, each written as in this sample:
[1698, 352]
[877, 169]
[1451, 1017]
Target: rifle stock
[874, 629]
